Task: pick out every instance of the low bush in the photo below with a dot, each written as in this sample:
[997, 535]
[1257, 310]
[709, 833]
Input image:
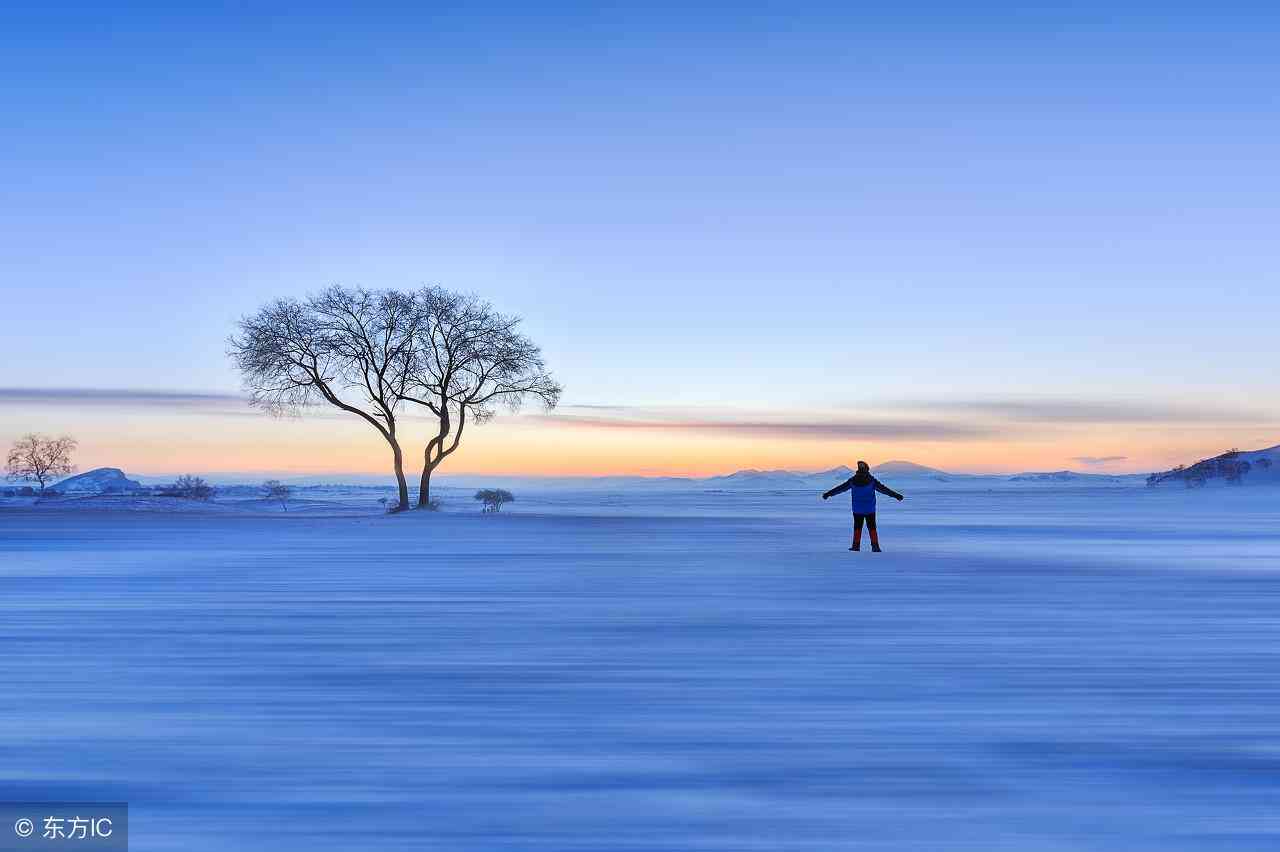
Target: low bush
[493, 498]
[189, 488]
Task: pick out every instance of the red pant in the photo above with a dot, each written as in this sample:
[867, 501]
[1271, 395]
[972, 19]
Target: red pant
[870, 520]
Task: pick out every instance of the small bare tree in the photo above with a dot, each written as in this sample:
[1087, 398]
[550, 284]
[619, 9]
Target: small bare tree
[493, 498]
[274, 489]
[346, 347]
[1237, 472]
[189, 487]
[35, 458]
[470, 361]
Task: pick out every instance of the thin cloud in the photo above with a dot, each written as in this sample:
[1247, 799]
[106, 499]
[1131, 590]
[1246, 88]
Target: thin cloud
[582, 406]
[161, 401]
[119, 397]
[1091, 411]
[803, 430]
[1097, 460]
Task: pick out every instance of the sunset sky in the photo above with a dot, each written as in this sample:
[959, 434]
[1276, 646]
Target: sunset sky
[773, 235]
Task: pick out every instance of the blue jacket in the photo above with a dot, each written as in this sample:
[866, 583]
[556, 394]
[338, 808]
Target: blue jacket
[863, 492]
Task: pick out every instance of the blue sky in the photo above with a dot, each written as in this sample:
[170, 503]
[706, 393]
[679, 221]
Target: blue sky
[744, 213]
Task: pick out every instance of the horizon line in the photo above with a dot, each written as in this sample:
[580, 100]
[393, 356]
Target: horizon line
[335, 478]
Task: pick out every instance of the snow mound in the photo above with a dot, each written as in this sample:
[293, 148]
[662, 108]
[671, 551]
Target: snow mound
[758, 479]
[1064, 476]
[897, 467]
[1232, 468]
[102, 480]
[779, 479]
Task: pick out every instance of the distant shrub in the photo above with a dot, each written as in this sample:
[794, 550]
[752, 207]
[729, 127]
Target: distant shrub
[493, 498]
[1263, 463]
[391, 506]
[189, 488]
[274, 489]
[1235, 474]
[432, 505]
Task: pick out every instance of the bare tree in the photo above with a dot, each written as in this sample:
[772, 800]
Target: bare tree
[274, 489]
[35, 458]
[350, 348]
[493, 498]
[189, 487]
[470, 361]
[1236, 473]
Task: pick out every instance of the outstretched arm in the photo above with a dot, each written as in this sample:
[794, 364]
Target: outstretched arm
[886, 490]
[844, 486]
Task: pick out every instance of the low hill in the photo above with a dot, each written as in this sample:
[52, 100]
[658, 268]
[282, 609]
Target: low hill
[836, 473]
[1233, 467]
[897, 467]
[102, 480]
[823, 479]
[757, 479]
[1064, 476]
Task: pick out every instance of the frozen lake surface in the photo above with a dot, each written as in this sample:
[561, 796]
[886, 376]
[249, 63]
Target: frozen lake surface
[1023, 669]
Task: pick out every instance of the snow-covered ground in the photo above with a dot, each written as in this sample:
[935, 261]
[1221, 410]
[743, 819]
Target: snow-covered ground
[1025, 668]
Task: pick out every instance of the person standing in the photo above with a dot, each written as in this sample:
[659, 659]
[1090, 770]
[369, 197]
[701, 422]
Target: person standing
[863, 487]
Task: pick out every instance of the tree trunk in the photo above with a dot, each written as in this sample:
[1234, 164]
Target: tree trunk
[424, 484]
[401, 482]
[424, 487]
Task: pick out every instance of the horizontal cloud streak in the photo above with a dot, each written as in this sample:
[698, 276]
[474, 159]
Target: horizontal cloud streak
[805, 430]
[582, 406]
[161, 401]
[1077, 411]
[1098, 459]
[121, 397]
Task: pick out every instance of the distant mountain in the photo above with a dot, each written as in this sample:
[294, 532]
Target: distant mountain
[785, 479]
[1064, 476]
[771, 479]
[1231, 468]
[102, 480]
[897, 467]
[898, 470]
